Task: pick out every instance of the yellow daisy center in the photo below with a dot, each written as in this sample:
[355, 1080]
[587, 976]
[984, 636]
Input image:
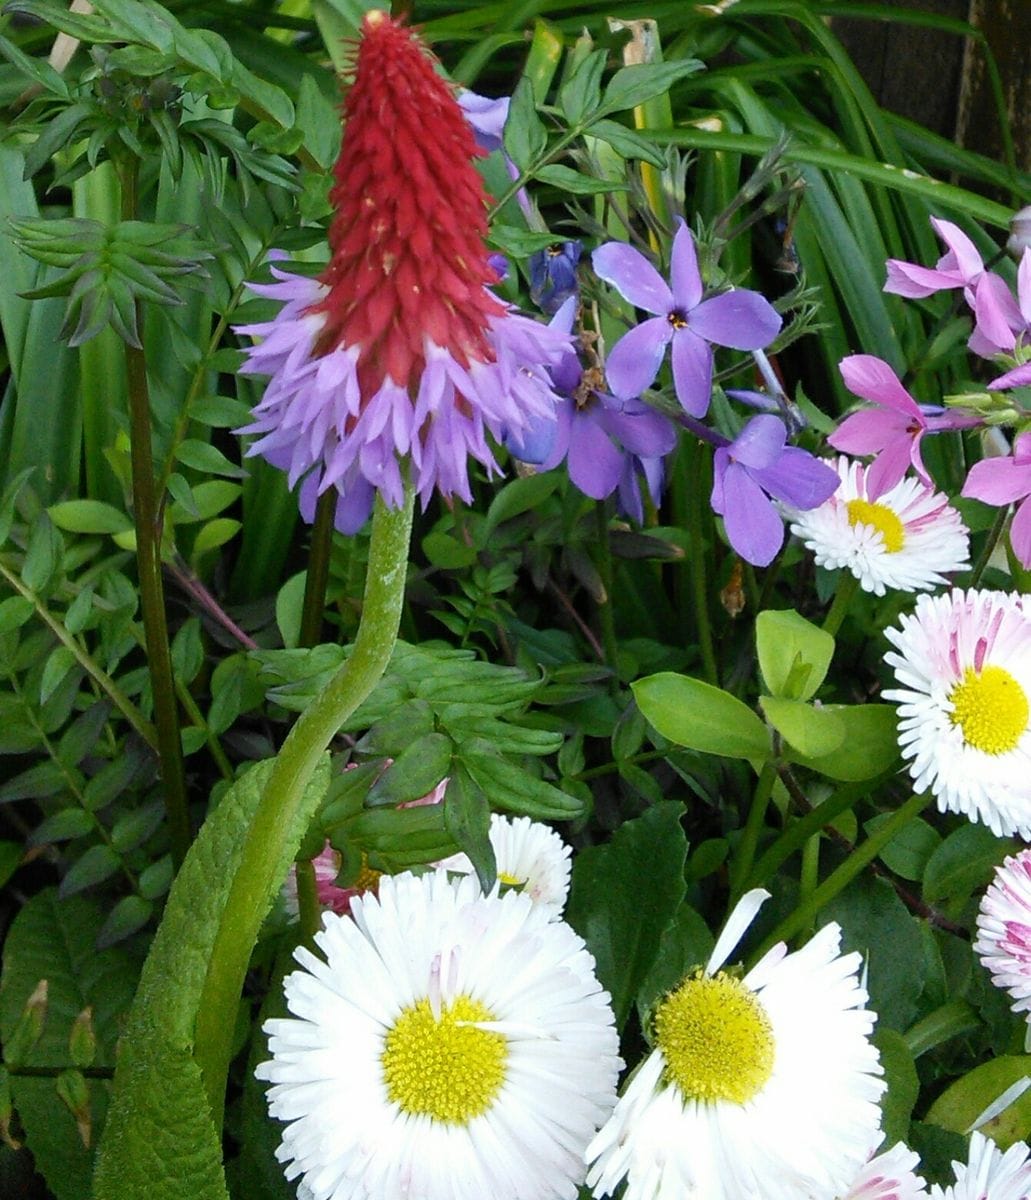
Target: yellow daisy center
[881, 518]
[368, 877]
[510, 880]
[990, 708]
[447, 1069]
[716, 1039]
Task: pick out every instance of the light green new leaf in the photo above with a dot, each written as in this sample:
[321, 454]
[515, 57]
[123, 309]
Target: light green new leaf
[811, 731]
[870, 745]
[959, 1106]
[794, 654]
[701, 717]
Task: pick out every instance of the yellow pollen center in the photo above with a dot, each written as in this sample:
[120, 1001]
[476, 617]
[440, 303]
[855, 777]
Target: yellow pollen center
[716, 1039]
[677, 319]
[887, 524]
[368, 878]
[990, 708]
[447, 1069]
[510, 880]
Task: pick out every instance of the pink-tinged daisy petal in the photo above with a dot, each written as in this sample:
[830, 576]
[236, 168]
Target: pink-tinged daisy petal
[869, 431]
[692, 372]
[1018, 377]
[684, 274]
[887, 469]
[633, 276]
[872, 379]
[997, 314]
[634, 361]
[1020, 534]
[761, 442]
[595, 464]
[740, 319]
[998, 481]
[963, 255]
[915, 282]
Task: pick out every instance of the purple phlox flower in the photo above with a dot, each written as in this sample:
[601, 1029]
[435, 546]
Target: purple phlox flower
[487, 118]
[996, 316]
[1004, 480]
[757, 465]
[894, 429]
[604, 441]
[740, 319]
[553, 275]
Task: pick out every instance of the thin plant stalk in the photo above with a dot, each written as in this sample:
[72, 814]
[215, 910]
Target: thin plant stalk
[317, 578]
[847, 587]
[148, 560]
[698, 512]
[753, 829]
[256, 879]
[604, 564]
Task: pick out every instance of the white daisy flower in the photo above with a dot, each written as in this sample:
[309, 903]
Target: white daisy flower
[889, 1176]
[963, 664]
[989, 1174]
[761, 1085]
[907, 538]
[453, 1046]
[530, 856]
[1004, 929]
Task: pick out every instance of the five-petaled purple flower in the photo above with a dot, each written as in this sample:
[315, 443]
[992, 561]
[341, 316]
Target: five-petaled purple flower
[894, 429]
[999, 481]
[740, 319]
[996, 316]
[604, 441]
[756, 465]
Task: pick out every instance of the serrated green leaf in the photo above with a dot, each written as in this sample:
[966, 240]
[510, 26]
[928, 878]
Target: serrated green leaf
[96, 865]
[525, 137]
[576, 183]
[627, 143]
[701, 717]
[580, 95]
[621, 896]
[634, 85]
[467, 820]
[159, 1142]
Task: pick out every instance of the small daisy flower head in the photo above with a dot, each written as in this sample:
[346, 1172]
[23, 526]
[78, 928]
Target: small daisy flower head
[530, 857]
[399, 356]
[762, 1084]
[963, 666]
[889, 1176]
[989, 1174]
[907, 538]
[1004, 929]
[449, 1046]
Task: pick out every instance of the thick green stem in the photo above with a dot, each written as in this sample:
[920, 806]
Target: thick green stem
[255, 881]
[848, 585]
[148, 561]
[742, 867]
[308, 906]
[838, 880]
[318, 570]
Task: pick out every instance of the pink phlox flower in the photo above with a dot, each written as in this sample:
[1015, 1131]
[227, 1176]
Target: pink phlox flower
[1004, 480]
[894, 429]
[1019, 376]
[997, 317]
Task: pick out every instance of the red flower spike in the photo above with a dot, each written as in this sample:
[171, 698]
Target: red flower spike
[408, 256]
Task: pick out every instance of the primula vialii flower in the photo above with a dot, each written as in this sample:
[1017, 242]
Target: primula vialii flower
[760, 1084]
[399, 355]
